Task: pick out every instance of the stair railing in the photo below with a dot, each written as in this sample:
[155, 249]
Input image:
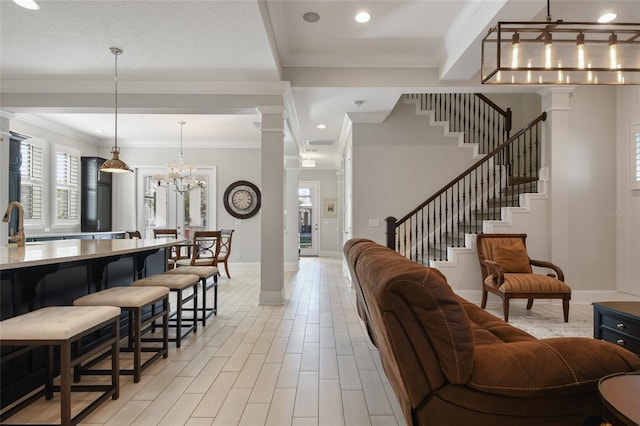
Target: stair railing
[474, 195]
[480, 119]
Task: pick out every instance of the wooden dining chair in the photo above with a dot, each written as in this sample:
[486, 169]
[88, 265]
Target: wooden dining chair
[174, 254]
[225, 248]
[134, 234]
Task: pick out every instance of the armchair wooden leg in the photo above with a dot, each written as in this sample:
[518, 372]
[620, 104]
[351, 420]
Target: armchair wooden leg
[505, 308]
[565, 309]
[226, 268]
[483, 304]
[529, 303]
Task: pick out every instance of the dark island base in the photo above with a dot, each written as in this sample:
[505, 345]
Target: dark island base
[27, 289]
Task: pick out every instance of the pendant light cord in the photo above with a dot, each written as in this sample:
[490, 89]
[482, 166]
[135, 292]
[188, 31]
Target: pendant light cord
[548, 10]
[116, 52]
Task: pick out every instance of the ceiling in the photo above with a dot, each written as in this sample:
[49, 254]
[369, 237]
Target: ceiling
[252, 47]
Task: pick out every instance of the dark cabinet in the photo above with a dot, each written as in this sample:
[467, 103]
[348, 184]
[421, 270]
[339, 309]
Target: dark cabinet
[96, 196]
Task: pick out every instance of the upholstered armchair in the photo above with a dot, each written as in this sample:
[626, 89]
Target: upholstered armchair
[506, 272]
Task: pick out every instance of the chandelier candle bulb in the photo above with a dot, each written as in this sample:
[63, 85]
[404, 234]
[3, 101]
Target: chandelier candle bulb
[613, 51]
[180, 176]
[580, 46]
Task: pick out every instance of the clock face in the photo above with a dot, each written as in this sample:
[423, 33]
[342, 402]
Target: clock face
[242, 199]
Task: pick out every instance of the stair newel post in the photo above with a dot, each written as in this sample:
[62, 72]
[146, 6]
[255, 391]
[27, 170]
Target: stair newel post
[391, 232]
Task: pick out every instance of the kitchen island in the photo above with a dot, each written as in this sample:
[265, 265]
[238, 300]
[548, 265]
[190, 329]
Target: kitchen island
[55, 273]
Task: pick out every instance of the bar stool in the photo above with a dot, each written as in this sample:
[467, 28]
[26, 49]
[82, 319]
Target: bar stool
[134, 300]
[203, 263]
[64, 327]
[203, 273]
[177, 284]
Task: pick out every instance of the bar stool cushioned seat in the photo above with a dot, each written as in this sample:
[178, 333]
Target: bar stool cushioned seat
[63, 327]
[177, 284]
[134, 300]
[204, 273]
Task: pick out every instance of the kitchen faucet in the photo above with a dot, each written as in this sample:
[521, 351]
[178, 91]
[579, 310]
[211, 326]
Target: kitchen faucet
[20, 239]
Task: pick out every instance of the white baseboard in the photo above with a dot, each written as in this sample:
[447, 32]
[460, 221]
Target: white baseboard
[330, 254]
[244, 266]
[291, 266]
[272, 297]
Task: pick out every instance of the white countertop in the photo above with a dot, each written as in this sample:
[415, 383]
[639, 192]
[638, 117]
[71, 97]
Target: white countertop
[48, 252]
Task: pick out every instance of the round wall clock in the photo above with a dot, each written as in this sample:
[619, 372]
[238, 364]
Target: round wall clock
[242, 199]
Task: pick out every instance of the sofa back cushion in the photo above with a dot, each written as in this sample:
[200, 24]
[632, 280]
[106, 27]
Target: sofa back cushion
[414, 315]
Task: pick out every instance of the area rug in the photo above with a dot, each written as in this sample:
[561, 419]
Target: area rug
[545, 320]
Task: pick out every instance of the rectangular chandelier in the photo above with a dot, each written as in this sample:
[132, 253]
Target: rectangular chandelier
[569, 53]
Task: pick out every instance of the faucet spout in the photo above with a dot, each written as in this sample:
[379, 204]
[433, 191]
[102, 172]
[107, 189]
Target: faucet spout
[19, 238]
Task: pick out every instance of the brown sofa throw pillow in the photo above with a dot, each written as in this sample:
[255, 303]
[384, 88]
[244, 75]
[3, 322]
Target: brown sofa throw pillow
[512, 258]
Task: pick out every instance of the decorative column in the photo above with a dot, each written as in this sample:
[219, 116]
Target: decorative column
[291, 243]
[555, 157]
[4, 171]
[341, 203]
[272, 217]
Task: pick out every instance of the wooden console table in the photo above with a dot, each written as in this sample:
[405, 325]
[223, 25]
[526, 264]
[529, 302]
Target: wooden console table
[619, 323]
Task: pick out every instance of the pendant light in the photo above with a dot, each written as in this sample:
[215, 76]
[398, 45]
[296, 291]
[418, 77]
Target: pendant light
[560, 52]
[115, 165]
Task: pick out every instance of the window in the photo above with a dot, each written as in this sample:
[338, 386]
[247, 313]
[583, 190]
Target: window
[32, 181]
[67, 187]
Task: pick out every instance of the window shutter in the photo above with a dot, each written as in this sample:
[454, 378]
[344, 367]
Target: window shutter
[67, 188]
[32, 180]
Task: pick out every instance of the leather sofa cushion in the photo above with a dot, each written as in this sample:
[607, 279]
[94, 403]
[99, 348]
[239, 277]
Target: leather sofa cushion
[420, 301]
[546, 367]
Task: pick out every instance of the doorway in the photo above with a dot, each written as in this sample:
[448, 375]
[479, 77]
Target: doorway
[308, 207]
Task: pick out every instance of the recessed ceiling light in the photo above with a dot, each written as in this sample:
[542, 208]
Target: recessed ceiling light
[363, 17]
[321, 126]
[27, 4]
[607, 17]
[311, 17]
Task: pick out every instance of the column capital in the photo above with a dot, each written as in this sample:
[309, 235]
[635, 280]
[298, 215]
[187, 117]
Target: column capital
[270, 110]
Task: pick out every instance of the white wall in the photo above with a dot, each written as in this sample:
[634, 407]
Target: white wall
[231, 165]
[626, 214]
[524, 107]
[328, 225]
[398, 164]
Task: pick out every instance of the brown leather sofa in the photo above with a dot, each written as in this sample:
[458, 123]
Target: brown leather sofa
[452, 363]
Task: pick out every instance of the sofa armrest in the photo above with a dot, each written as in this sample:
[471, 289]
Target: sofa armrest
[557, 366]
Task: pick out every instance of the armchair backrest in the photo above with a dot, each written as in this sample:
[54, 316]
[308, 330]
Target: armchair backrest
[486, 242]
[225, 243]
[162, 233]
[206, 248]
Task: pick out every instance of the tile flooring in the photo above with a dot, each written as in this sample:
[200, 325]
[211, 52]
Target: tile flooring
[308, 362]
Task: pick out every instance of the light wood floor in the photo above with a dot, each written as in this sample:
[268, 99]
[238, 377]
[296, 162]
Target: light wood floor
[308, 362]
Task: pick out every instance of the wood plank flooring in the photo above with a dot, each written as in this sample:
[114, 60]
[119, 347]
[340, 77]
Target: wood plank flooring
[308, 362]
